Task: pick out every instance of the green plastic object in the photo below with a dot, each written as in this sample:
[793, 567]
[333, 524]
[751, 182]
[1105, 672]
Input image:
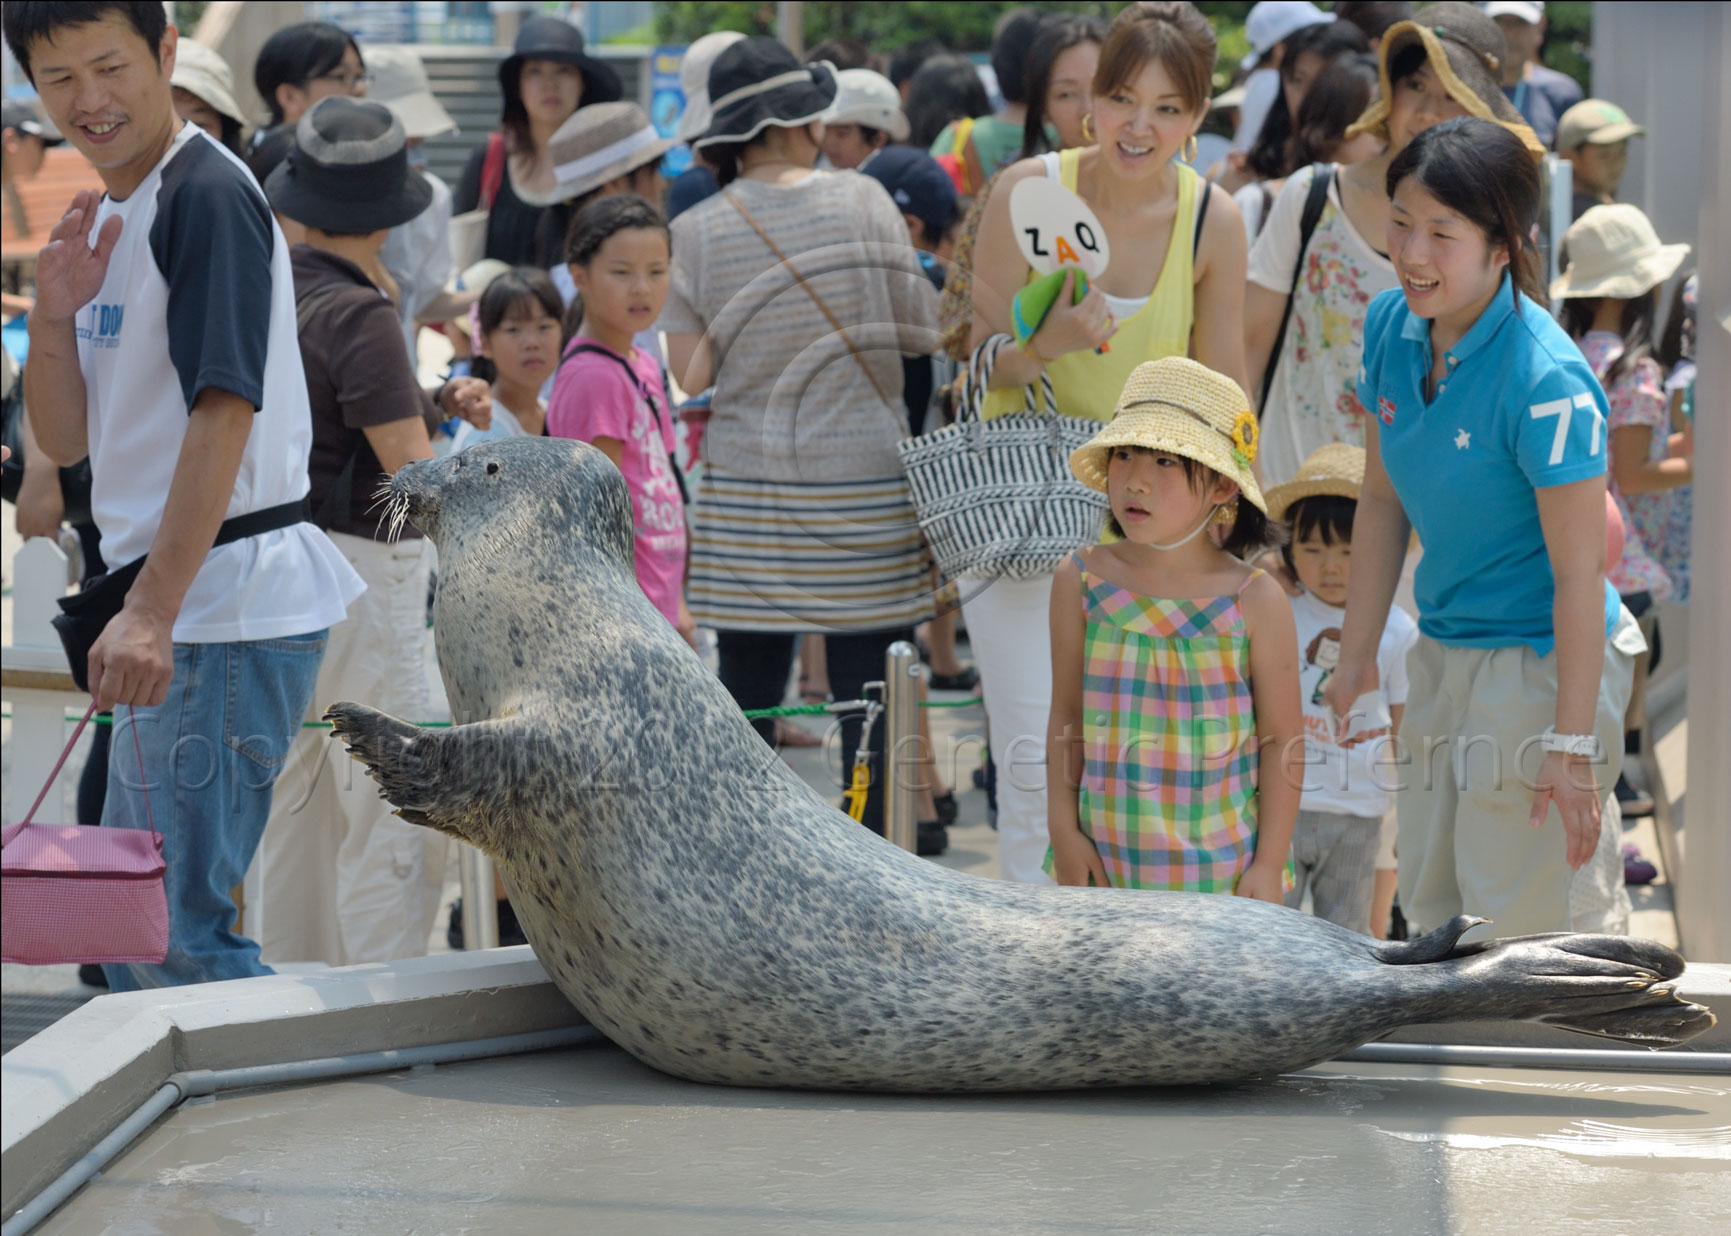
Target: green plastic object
[1031, 305]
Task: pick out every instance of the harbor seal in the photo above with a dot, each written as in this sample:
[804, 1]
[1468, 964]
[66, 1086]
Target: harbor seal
[718, 919]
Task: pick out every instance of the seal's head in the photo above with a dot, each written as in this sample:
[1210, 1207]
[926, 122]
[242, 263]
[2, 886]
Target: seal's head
[550, 497]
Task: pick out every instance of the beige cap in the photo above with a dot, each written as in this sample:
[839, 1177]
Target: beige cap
[694, 80]
[1595, 122]
[201, 71]
[397, 78]
[1614, 251]
[1175, 404]
[868, 98]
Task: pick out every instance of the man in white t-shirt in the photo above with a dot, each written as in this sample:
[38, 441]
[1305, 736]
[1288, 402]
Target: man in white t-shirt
[1348, 783]
[163, 347]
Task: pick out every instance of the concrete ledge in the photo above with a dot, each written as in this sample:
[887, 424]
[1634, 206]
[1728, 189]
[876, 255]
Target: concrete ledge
[69, 1086]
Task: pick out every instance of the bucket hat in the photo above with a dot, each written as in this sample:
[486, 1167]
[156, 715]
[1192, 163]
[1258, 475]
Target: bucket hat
[597, 143]
[1614, 251]
[548, 38]
[1271, 22]
[1336, 469]
[201, 71]
[1175, 404]
[397, 78]
[1595, 122]
[1464, 49]
[867, 98]
[694, 80]
[348, 170]
[756, 84]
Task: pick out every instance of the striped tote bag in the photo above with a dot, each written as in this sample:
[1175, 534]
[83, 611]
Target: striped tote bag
[996, 499]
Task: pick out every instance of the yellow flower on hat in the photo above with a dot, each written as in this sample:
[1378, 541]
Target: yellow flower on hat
[1245, 437]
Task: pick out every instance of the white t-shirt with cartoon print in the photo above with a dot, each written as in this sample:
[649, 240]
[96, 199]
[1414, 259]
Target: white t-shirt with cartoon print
[1353, 777]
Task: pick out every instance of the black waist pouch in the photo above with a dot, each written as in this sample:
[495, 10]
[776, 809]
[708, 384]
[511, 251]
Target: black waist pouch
[85, 613]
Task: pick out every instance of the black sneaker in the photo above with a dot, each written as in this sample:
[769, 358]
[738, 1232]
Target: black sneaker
[967, 680]
[947, 808]
[933, 840]
[1635, 803]
[93, 976]
[510, 932]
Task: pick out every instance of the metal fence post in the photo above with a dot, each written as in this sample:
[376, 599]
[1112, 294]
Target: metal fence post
[480, 902]
[902, 726]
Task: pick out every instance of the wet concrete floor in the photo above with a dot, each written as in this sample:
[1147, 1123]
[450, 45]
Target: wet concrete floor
[589, 1141]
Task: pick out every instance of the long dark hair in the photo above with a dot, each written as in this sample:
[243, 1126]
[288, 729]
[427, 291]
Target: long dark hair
[1335, 99]
[517, 293]
[1270, 155]
[297, 54]
[1056, 37]
[591, 228]
[944, 89]
[1635, 327]
[1484, 173]
[1678, 315]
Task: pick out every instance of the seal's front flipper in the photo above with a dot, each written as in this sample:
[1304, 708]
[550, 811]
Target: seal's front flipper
[425, 773]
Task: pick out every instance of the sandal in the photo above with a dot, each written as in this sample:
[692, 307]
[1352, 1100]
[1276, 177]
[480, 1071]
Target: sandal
[946, 805]
[787, 734]
[967, 680]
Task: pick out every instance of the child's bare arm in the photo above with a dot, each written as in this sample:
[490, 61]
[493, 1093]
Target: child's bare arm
[1074, 858]
[1280, 732]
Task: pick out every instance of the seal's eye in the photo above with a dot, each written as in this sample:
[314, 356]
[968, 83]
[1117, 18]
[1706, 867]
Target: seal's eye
[492, 468]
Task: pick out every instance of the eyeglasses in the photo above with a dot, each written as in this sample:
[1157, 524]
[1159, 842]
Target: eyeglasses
[347, 80]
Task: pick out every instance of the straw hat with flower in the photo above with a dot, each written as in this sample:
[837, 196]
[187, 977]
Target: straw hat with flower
[1336, 469]
[1614, 251]
[1176, 405]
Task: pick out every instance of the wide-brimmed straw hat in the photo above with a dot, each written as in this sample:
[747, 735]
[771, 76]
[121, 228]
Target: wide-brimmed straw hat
[548, 38]
[201, 71]
[1174, 404]
[348, 170]
[1465, 50]
[757, 84]
[594, 145]
[1336, 470]
[1614, 251]
[694, 80]
[397, 78]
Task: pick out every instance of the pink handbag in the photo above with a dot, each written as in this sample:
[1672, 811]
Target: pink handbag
[76, 894]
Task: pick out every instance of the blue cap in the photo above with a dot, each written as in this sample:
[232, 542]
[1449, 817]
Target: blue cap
[917, 184]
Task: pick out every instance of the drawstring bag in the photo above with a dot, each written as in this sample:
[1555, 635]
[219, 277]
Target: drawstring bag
[74, 894]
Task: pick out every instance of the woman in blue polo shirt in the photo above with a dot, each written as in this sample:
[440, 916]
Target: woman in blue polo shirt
[1487, 435]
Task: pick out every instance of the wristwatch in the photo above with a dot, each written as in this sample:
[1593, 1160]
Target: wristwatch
[1570, 744]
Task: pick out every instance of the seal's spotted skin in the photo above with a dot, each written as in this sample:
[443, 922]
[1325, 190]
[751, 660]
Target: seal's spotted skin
[720, 920]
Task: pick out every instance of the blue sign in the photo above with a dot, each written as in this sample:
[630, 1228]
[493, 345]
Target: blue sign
[667, 105]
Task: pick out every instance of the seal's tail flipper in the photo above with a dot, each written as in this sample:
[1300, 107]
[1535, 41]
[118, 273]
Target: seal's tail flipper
[1613, 987]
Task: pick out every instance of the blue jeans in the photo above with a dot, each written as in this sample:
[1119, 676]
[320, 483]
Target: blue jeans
[211, 754]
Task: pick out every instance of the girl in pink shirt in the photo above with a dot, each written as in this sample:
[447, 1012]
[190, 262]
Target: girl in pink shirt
[610, 394]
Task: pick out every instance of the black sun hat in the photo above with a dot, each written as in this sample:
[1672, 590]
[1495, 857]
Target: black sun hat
[548, 38]
[348, 170]
[757, 83]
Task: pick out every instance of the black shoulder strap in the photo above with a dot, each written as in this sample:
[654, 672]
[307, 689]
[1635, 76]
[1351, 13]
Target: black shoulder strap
[1201, 214]
[1314, 201]
[662, 413]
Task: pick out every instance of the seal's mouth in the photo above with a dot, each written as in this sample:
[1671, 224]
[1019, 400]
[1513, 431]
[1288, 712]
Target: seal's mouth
[409, 497]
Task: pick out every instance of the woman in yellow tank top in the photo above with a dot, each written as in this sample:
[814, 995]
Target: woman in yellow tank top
[1171, 290]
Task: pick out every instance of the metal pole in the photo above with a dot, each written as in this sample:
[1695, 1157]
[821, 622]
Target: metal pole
[480, 902]
[790, 25]
[901, 734]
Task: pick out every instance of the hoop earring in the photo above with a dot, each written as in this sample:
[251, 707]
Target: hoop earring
[1190, 149]
[1088, 134]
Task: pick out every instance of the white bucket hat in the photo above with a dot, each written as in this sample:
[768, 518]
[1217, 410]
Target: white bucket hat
[694, 80]
[201, 71]
[868, 98]
[397, 78]
[1614, 251]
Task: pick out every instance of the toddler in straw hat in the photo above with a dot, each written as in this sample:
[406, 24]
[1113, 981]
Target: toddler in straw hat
[1175, 709]
[1346, 793]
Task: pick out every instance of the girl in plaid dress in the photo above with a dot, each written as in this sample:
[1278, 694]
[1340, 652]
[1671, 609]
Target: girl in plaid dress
[1175, 707]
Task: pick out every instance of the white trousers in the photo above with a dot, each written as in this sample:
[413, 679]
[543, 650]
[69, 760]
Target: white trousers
[343, 880]
[1010, 632]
